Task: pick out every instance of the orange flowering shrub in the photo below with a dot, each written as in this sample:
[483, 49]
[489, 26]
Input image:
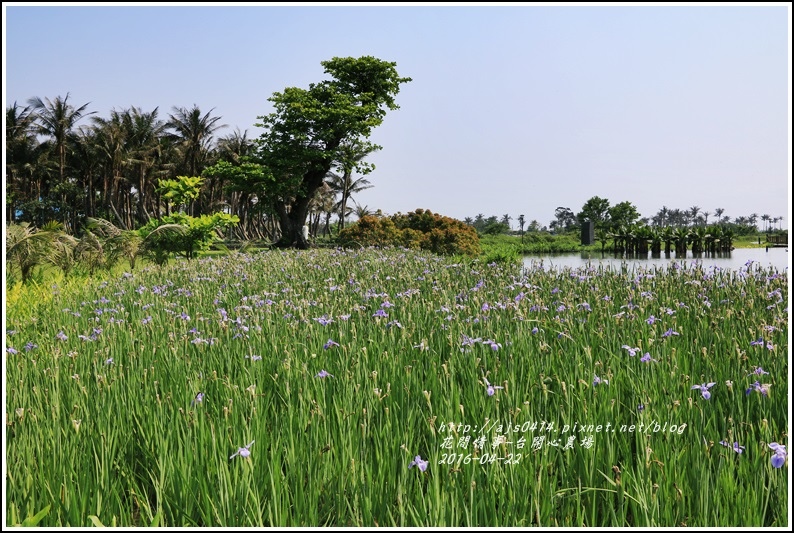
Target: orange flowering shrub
[420, 229]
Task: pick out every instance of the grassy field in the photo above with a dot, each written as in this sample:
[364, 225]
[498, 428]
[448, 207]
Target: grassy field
[397, 388]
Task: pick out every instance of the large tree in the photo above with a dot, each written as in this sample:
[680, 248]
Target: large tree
[595, 209]
[306, 133]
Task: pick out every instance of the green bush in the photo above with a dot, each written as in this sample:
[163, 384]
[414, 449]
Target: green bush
[420, 229]
[200, 233]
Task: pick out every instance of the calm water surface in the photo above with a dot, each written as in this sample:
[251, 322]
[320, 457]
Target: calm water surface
[778, 258]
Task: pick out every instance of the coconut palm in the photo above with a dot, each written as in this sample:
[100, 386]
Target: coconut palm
[143, 143]
[362, 211]
[766, 218]
[57, 119]
[193, 137]
[351, 159]
[20, 156]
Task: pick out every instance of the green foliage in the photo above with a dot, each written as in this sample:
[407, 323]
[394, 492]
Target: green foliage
[595, 209]
[181, 191]
[311, 131]
[28, 247]
[199, 234]
[420, 229]
[623, 213]
[496, 228]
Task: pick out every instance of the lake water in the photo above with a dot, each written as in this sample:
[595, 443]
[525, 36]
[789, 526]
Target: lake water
[778, 258]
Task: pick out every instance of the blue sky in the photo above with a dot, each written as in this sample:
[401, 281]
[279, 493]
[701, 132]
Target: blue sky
[513, 109]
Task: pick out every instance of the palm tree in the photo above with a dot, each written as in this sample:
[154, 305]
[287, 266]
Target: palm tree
[506, 220]
[766, 219]
[57, 119]
[235, 146]
[144, 132]
[362, 211]
[706, 218]
[351, 159]
[109, 139]
[20, 152]
[718, 213]
[753, 220]
[693, 213]
[663, 214]
[193, 136]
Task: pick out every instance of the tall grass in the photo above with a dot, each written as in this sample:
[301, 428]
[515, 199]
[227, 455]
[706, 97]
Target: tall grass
[103, 426]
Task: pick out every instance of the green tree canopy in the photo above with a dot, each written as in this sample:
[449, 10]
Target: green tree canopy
[623, 214]
[306, 134]
[595, 209]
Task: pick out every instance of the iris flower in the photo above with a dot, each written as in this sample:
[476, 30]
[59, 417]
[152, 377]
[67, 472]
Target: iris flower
[491, 388]
[330, 344]
[736, 447]
[242, 452]
[757, 386]
[632, 351]
[323, 374]
[418, 461]
[198, 399]
[779, 458]
[704, 389]
[597, 381]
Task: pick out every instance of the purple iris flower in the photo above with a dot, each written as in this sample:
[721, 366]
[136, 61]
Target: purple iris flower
[418, 461]
[597, 381]
[763, 389]
[323, 374]
[330, 344]
[646, 358]
[632, 351]
[61, 336]
[759, 342]
[641, 407]
[198, 399]
[11, 350]
[491, 388]
[651, 320]
[736, 447]
[380, 313]
[324, 320]
[758, 371]
[31, 346]
[243, 452]
[493, 344]
[779, 458]
[704, 389]
[669, 332]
